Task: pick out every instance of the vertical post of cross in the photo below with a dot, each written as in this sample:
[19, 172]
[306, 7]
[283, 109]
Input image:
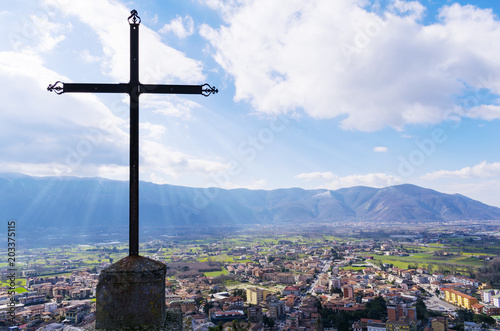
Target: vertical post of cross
[134, 92]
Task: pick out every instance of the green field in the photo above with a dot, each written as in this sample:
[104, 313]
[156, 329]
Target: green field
[21, 290]
[19, 282]
[424, 260]
[216, 273]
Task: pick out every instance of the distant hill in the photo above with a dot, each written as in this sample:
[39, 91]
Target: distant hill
[73, 202]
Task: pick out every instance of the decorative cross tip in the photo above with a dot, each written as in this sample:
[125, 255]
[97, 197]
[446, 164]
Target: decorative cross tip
[57, 87]
[207, 90]
[134, 18]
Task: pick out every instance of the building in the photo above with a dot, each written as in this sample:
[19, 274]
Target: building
[183, 305]
[395, 312]
[291, 290]
[478, 308]
[459, 298]
[403, 324]
[491, 310]
[227, 316]
[256, 295]
[366, 321]
[254, 314]
[285, 278]
[439, 323]
[348, 292]
[375, 326]
[32, 300]
[276, 309]
[335, 282]
[495, 300]
[486, 295]
[75, 314]
[50, 306]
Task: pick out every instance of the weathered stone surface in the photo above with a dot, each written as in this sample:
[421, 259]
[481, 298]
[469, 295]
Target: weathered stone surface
[131, 294]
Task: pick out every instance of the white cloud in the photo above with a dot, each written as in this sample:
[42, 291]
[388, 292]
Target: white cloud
[49, 133]
[78, 134]
[108, 19]
[34, 32]
[413, 8]
[380, 149]
[331, 181]
[485, 191]
[181, 26]
[481, 170]
[172, 106]
[155, 131]
[85, 55]
[160, 161]
[336, 59]
[325, 176]
[485, 112]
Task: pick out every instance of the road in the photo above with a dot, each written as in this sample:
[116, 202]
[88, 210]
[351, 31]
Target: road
[434, 303]
[325, 268]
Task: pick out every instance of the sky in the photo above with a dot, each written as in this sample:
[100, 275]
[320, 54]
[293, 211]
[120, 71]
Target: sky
[312, 94]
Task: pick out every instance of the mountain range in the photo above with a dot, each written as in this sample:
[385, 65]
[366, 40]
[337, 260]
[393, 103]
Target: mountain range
[72, 202]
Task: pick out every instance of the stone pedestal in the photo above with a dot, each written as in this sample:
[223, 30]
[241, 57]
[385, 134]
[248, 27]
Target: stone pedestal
[131, 294]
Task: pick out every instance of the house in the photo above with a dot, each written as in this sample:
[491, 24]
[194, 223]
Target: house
[375, 326]
[403, 324]
[234, 301]
[478, 308]
[75, 314]
[395, 312]
[183, 305]
[291, 290]
[439, 323]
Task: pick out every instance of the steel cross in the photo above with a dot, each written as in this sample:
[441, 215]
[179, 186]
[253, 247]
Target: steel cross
[134, 88]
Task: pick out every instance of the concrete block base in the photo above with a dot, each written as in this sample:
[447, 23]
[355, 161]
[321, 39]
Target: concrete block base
[131, 294]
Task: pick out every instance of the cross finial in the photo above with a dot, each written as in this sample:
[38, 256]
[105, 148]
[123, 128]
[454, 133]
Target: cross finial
[56, 87]
[134, 18]
[206, 90]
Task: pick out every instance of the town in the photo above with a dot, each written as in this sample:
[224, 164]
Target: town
[433, 278]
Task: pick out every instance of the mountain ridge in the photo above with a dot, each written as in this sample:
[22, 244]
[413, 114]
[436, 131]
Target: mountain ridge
[75, 201]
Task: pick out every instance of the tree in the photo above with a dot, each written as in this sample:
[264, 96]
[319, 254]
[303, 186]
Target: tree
[238, 327]
[207, 307]
[378, 303]
[464, 315]
[268, 321]
[319, 325]
[481, 318]
[319, 305]
[421, 309]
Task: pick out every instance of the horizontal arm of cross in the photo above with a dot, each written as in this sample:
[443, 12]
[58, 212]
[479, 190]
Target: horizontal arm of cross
[205, 89]
[60, 88]
[96, 88]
